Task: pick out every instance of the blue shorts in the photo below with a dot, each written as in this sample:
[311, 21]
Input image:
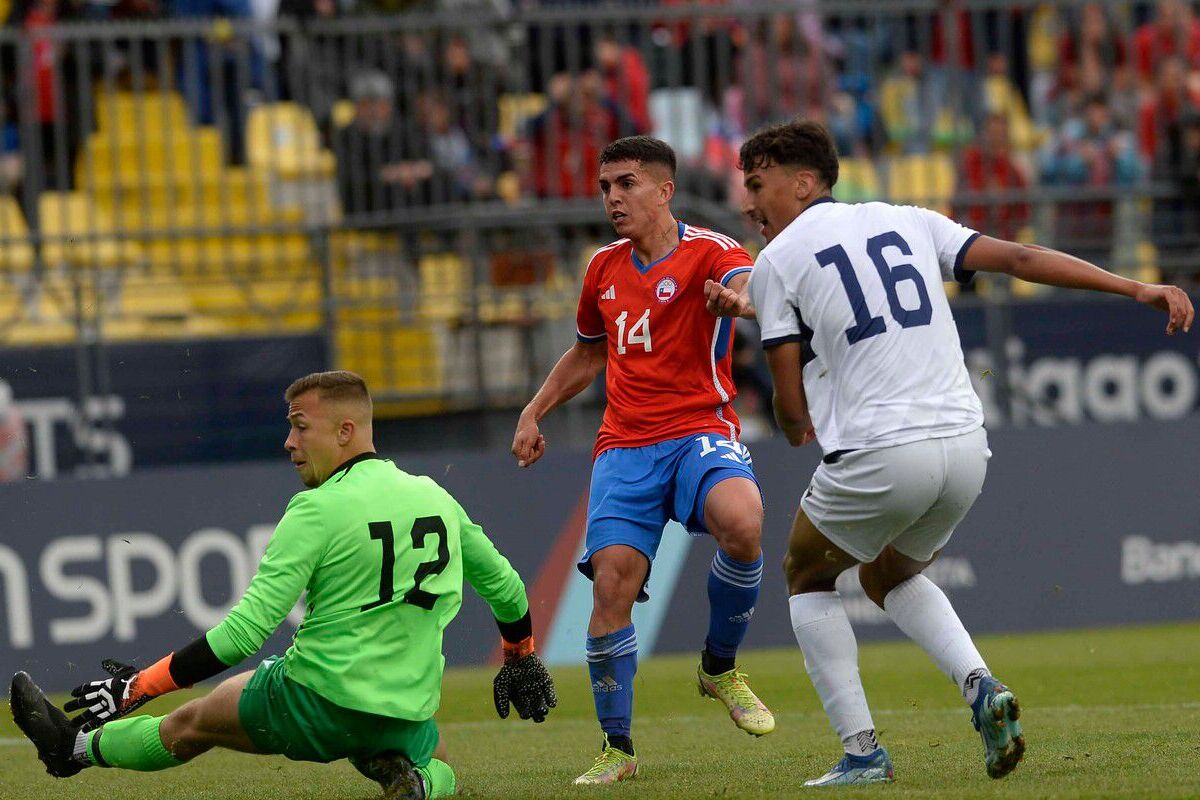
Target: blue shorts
[636, 490]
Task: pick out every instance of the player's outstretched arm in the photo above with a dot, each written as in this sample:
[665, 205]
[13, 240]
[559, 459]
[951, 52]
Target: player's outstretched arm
[573, 373]
[283, 573]
[1050, 267]
[128, 688]
[791, 406]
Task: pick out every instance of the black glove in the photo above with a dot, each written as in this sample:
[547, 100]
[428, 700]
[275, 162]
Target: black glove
[524, 680]
[105, 700]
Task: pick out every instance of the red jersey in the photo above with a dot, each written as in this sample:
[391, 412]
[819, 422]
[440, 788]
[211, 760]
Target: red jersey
[668, 357]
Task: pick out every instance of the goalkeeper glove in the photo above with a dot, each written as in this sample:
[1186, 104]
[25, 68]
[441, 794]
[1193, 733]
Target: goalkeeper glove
[524, 680]
[127, 690]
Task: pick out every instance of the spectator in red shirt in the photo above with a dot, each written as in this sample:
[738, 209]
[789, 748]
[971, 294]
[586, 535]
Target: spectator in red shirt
[1174, 32]
[626, 79]
[1171, 99]
[989, 166]
[566, 139]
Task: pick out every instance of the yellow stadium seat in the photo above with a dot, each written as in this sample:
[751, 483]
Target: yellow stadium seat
[282, 138]
[132, 113]
[78, 233]
[16, 250]
[445, 286]
[260, 305]
[858, 181]
[234, 188]
[393, 359]
[923, 180]
[190, 154]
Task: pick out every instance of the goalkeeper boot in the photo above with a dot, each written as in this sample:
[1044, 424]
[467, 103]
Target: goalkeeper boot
[613, 765]
[395, 773]
[875, 768]
[994, 714]
[745, 709]
[46, 726]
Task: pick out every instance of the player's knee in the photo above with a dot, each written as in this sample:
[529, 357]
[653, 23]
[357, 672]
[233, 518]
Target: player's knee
[804, 576]
[614, 588]
[873, 584]
[741, 538]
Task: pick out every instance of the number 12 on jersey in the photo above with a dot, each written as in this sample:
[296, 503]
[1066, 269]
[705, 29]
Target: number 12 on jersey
[639, 333]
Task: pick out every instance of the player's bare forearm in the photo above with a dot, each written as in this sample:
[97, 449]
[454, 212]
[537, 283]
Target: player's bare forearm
[789, 402]
[1042, 265]
[573, 373]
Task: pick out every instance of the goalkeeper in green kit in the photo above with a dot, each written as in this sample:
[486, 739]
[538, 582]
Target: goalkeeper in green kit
[383, 555]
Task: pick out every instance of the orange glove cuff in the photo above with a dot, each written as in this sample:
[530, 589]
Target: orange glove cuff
[516, 650]
[156, 679]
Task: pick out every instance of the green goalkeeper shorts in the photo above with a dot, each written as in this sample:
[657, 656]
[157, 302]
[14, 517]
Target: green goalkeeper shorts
[285, 718]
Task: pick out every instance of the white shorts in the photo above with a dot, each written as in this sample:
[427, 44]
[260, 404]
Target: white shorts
[911, 496]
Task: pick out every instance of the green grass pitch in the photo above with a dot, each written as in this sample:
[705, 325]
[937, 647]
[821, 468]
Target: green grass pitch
[1110, 713]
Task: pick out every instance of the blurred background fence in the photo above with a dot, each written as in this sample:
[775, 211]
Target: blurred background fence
[215, 196]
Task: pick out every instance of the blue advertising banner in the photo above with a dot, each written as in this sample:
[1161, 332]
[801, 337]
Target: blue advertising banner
[159, 402]
[1077, 526]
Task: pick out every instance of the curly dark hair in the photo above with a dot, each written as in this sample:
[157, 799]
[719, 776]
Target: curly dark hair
[800, 143]
[644, 149]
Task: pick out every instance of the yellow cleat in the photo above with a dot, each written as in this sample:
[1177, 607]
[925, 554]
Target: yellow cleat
[745, 709]
[612, 766]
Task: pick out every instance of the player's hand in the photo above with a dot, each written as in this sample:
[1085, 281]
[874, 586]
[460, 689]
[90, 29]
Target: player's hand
[1172, 300]
[108, 699]
[528, 443]
[722, 301]
[525, 682]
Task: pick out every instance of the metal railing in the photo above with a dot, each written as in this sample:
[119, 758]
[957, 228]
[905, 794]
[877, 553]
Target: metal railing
[420, 189]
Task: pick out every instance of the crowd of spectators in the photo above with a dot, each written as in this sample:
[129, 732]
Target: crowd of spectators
[1082, 98]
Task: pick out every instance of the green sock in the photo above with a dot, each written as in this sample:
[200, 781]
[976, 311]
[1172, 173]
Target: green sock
[131, 743]
[439, 779]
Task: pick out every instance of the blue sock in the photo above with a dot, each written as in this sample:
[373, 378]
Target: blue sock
[732, 593]
[612, 663]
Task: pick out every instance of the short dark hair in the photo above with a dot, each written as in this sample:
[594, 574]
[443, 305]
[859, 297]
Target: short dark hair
[338, 384]
[801, 143]
[644, 149]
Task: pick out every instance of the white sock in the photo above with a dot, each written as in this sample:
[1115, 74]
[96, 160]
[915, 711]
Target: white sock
[831, 657]
[924, 613]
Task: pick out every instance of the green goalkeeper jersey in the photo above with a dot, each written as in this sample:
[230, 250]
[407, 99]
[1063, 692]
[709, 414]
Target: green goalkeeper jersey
[383, 555]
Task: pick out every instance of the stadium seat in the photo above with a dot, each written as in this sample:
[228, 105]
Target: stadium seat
[264, 305]
[80, 234]
[397, 360]
[190, 154]
[283, 139]
[445, 285]
[132, 113]
[858, 181]
[922, 180]
[16, 250]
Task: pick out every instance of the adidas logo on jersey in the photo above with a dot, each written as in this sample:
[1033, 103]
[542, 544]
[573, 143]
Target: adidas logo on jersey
[606, 684]
[610, 293]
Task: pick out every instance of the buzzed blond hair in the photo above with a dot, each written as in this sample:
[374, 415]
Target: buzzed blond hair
[338, 385]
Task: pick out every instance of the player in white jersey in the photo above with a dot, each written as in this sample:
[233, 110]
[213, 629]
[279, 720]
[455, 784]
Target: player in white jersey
[866, 360]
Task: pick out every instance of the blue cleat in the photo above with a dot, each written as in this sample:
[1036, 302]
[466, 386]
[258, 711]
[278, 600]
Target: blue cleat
[994, 714]
[875, 768]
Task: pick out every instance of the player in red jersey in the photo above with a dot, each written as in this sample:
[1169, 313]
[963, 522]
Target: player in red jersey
[668, 447]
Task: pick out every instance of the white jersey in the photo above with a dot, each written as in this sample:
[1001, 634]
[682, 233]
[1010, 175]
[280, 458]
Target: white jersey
[861, 286]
